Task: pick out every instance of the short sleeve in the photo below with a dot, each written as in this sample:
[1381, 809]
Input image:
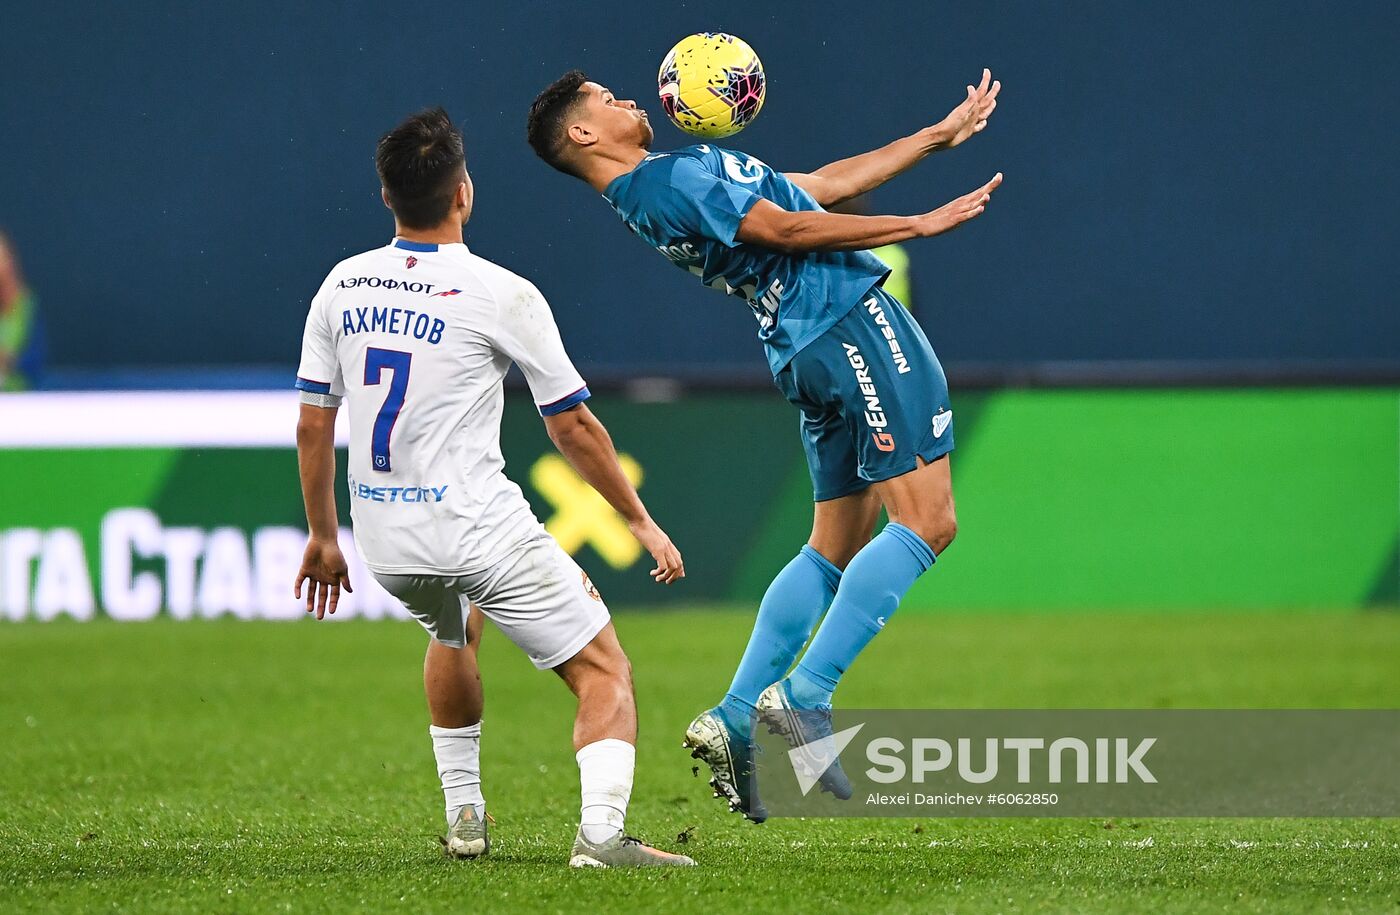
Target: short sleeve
[319, 371]
[526, 332]
[705, 205]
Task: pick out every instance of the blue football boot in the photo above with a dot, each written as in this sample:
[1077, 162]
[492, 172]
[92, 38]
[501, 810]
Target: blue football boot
[730, 757]
[806, 729]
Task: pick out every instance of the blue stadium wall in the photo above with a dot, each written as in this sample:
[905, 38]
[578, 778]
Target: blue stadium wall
[1185, 181]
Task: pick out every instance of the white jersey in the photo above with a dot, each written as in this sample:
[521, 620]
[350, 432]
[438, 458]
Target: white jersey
[418, 339]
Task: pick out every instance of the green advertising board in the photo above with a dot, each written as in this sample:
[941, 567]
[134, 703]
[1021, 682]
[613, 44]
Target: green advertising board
[1121, 500]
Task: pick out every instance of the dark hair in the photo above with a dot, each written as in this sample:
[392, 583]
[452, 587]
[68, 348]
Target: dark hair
[549, 114]
[420, 163]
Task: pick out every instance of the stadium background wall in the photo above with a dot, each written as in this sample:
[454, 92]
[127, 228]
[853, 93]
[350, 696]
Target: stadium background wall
[1185, 181]
[1143, 500]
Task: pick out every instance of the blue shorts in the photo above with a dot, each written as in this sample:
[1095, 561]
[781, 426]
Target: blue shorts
[873, 398]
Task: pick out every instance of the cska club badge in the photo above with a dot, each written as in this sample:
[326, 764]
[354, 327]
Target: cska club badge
[411, 261]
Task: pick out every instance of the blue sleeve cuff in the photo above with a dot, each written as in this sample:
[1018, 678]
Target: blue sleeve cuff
[741, 211]
[313, 387]
[564, 403]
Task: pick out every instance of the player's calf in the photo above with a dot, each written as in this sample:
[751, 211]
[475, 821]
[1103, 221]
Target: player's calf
[601, 677]
[605, 733]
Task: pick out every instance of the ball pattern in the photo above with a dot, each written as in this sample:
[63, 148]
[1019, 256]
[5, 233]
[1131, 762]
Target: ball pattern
[711, 85]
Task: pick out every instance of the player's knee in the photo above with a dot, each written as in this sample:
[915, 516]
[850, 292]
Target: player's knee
[937, 528]
[611, 675]
[947, 533]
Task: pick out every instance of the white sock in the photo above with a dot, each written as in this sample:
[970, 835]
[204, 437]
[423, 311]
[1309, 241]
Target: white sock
[605, 774]
[458, 752]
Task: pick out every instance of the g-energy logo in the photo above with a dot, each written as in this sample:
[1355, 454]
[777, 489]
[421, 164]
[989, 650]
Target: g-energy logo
[875, 416]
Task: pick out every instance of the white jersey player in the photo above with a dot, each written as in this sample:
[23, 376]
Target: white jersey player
[416, 338]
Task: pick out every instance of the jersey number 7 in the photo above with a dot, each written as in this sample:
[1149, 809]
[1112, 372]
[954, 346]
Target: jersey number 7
[376, 360]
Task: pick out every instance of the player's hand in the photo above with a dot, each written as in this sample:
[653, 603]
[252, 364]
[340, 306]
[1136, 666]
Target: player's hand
[971, 116]
[955, 213]
[669, 565]
[323, 568]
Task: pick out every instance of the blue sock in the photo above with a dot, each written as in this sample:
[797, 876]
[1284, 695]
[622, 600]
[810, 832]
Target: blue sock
[870, 591]
[794, 602]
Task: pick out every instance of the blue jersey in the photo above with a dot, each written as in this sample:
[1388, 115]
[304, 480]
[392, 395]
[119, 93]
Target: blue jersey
[688, 204]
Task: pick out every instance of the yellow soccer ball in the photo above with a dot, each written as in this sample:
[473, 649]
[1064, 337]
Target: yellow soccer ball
[711, 85]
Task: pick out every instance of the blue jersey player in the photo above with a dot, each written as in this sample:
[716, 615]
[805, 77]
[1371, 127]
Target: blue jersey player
[876, 422]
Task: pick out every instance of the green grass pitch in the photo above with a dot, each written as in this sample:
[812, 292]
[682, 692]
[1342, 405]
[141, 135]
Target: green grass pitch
[240, 767]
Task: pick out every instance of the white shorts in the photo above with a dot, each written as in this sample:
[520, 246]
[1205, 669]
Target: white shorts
[537, 595]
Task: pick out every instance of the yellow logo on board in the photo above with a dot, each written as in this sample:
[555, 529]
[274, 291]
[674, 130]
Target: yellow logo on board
[581, 516]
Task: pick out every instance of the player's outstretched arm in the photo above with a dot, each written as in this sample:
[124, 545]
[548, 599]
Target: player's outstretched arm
[586, 445]
[323, 565]
[852, 177]
[771, 226]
